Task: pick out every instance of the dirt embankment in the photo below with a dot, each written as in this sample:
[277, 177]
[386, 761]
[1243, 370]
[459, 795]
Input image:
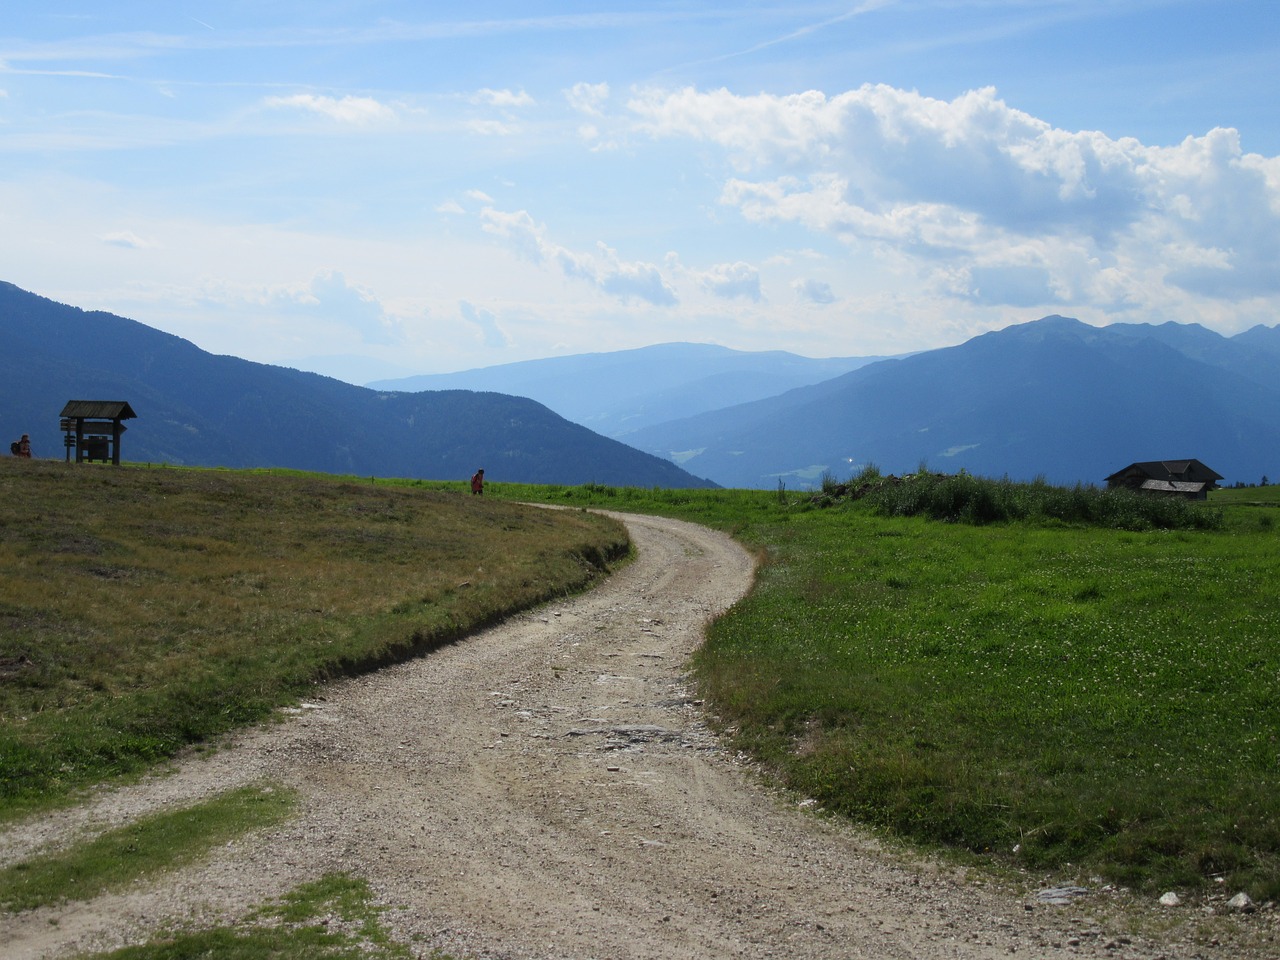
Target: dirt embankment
[550, 788]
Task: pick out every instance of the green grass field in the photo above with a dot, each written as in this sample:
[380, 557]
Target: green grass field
[1063, 696]
[1092, 689]
[1264, 495]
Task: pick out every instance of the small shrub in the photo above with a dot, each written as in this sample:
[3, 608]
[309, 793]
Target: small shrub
[869, 473]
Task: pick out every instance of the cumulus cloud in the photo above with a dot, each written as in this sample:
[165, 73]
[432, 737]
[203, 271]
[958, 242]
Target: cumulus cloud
[588, 98]
[885, 150]
[974, 181]
[491, 334]
[601, 268]
[732, 280]
[813, 291]
[353, 110]
[506, 102]
[598, 130]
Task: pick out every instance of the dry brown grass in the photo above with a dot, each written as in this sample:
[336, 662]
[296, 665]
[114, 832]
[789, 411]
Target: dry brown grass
[145, 609]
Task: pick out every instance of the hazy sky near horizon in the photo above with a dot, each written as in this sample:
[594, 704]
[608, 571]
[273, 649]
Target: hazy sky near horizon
[372, 188]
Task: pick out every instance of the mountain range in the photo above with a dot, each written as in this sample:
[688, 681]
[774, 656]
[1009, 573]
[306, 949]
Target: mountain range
[1052, 398]
[195, 408]
[621, 392]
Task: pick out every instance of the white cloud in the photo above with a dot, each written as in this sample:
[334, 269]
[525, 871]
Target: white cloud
[602, 268]
[503, 98]
[354, 110]
[588, 98]
[821, 205]
[731, 280]
[813, 291]
[490, 128]
[622, 279]
[978, 183]
[600, 131]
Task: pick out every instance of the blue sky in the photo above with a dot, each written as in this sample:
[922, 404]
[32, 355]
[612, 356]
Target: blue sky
[369, 189]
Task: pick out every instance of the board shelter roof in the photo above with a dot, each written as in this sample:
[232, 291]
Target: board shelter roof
[98, 410]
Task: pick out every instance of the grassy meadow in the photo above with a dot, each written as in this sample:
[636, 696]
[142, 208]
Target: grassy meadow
[146, 610]
[1089, 686]
[1069, 682]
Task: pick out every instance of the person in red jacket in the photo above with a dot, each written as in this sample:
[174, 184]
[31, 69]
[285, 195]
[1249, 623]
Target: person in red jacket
[477, 483]
[24, 446]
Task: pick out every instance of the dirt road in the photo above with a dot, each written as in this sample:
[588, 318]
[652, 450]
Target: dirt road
[550, 789]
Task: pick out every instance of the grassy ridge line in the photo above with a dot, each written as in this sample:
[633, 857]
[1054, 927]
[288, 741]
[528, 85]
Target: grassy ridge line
[1053, 694]
[143, 610]
[1248, 496]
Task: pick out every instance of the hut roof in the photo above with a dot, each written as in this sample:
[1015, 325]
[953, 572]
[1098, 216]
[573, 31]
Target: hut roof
[1168, 470]
[98, 410]
[1174, 486]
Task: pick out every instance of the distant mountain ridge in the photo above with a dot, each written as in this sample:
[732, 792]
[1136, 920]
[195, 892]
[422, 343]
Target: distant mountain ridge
[196, 408]
[1055, 398]
[1052, 398]
[621, 392]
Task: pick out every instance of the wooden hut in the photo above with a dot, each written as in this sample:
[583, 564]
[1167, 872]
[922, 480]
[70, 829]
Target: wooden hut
[1178, 478]
[94, 428]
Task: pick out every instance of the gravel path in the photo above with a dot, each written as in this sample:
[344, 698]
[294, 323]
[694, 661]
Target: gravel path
[549, 788]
